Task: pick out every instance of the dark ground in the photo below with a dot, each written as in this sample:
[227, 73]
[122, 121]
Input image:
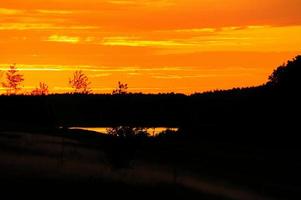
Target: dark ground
[174, 166]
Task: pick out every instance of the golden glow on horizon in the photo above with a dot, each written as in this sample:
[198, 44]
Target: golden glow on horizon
[153, 45]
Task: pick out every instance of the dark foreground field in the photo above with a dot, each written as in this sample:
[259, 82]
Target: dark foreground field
[174, 166]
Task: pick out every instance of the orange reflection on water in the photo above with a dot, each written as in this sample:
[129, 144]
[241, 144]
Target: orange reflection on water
[104, 130]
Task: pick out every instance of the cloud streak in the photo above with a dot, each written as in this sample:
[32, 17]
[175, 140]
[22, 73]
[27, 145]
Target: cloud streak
[5, 11]
[63, 38]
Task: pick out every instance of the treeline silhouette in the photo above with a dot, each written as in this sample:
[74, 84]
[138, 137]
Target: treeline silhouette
[267, 108]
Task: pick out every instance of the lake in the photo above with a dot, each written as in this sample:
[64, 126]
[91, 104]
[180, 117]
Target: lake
[104, 130]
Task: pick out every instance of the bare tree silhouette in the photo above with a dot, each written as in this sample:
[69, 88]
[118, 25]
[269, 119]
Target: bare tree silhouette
[122, 88]
[41, 90]
[80, 83]
[13, 80]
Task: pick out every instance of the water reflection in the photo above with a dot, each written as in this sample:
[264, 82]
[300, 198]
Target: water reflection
[104, 130]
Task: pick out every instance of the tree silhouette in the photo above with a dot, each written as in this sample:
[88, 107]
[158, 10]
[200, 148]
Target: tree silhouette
[287, 75]
[80, 83]
[13, 80]
[127, 131]
[121, 88]
[41, 90]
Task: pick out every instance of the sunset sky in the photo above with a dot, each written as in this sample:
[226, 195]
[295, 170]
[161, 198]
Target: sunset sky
[153, 45]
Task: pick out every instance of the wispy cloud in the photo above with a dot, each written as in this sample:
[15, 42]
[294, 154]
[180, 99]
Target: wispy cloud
[133, 42]
[63, 38]
[42, 26]
[199, 76]
[44, 67]
[196, 30]
[153, 3]
[56, 12]
[100, 75]
[89, 68]
[5, 11]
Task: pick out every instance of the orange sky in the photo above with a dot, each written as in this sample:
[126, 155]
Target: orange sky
[153, 45]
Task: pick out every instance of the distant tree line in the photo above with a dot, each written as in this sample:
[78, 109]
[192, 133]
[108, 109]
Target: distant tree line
[285, 76]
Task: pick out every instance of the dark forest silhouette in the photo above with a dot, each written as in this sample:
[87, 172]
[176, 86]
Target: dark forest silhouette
[287, 76]
[262, 104]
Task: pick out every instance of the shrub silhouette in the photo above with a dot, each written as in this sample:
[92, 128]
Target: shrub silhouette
[127, 132]
[121, 88]
[80, 83]
[41, 90]
[13, 80]
[287, 75]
